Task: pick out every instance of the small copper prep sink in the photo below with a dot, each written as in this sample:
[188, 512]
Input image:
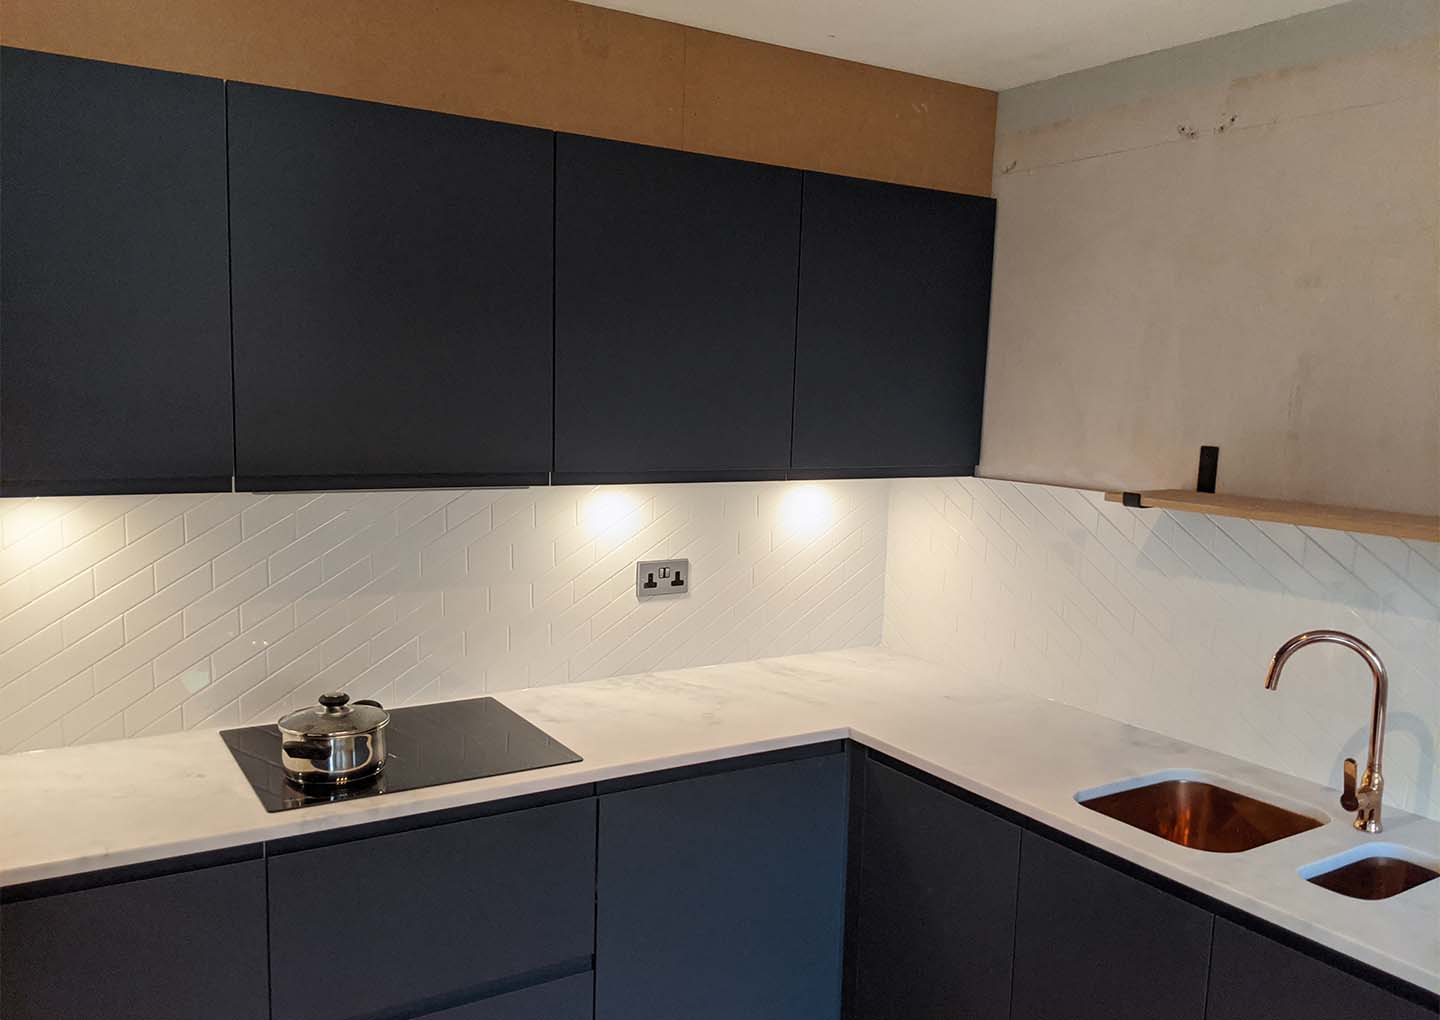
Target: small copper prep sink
[1374, 878]
[1201, 815]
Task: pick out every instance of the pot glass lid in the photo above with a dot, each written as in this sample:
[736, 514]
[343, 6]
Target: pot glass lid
[336, 716]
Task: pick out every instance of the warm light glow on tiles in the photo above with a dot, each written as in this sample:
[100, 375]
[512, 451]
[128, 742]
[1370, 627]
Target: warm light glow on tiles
[604, 508]
[807, 511]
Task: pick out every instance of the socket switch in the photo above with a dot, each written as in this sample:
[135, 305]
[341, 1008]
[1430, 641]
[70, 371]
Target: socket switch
[654, 578]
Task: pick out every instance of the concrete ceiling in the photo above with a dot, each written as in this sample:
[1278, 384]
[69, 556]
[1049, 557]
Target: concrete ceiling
[997, 44]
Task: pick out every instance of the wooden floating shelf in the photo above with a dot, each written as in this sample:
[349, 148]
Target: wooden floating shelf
[1314, 515]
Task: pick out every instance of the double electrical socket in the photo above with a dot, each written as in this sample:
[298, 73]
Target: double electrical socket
[654, 578]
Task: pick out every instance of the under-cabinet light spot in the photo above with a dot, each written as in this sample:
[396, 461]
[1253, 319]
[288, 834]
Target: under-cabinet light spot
[603, 509]
[806, 512]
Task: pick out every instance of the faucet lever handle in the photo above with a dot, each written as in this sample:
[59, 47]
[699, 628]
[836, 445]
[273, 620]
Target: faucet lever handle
[1348, 800]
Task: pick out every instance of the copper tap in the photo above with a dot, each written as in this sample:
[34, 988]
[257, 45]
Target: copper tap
[1364, 800]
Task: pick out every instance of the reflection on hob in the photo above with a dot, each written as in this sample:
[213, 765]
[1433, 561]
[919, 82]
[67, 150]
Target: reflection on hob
[428, 745]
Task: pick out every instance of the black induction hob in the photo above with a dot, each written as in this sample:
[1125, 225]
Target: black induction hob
[427, 745]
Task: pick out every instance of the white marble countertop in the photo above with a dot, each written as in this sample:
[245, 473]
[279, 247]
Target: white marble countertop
[75, 809]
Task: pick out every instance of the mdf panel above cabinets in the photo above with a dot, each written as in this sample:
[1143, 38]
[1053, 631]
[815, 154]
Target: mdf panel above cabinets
[114, 311]
[392, 294]
[894, 313]
[675, 314]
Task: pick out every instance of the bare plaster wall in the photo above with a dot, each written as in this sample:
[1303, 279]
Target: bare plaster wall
[1232, 243]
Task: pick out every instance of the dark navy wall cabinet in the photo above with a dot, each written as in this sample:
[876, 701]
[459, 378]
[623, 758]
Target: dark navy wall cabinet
[894, 315]
[1094, 944]
[435, 915]
[935, 926]
[114, 310]
[175, 947]
[392, 294]
[723, 896]
[1253, 977]
[675, 314]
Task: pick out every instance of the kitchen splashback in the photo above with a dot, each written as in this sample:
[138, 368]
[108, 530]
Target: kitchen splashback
[122, 616]
[1168, 620]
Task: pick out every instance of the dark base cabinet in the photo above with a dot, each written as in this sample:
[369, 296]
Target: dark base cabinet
[571, 998]
[805, 884]
[175, 947]
[722, 897]
[1255, 978]
[399, 921]
[935, 926]
[1094, 944]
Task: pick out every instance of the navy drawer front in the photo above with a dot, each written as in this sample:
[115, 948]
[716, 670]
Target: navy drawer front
[570, 998]
[435, 913]
[173, 947]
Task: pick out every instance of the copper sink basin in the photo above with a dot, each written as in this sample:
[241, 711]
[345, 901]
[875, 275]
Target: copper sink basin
[1374, 878]
[1201, 815]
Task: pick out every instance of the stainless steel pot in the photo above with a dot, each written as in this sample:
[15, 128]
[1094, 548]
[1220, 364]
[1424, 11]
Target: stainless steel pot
[336, 742]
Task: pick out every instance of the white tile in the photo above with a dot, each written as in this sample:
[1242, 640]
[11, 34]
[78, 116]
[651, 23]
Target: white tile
[228, 686]
[97, 512]
[224, 508]
[168, 601]
[139, 649]
[195, 647]
[63, 666]
[254, 641]
[160, 510]
[108, 703]
[39, 613]
[257, 595]
[140, 554]
[224, 598]
[108, 606]
[44, 712]
[282, 593]
[197, 552]
[268, 510]
[1212, 598]
[254, 548]
[28, 654]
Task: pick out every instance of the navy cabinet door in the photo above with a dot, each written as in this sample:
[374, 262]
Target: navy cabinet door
[674, 314]
[392, 276]
[392, 923]
[894, 316]
[176, 947]
[935, 932]
[723, 896]
[1253, 977]
[114, 301]
[1092, 943]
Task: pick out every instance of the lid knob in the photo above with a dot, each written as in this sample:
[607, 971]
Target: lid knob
[334, 699]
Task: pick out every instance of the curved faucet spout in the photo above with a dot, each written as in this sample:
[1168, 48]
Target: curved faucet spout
[1365, 799]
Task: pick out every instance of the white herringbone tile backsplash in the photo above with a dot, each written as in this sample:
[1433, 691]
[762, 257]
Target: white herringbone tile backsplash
[122, 616]
[1168, 620]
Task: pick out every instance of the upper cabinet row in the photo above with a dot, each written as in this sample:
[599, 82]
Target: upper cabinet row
[201, 279]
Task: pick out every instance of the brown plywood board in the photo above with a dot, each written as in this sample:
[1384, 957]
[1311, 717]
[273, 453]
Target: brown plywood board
[552, 64]
[549, 64]
[759, 102]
